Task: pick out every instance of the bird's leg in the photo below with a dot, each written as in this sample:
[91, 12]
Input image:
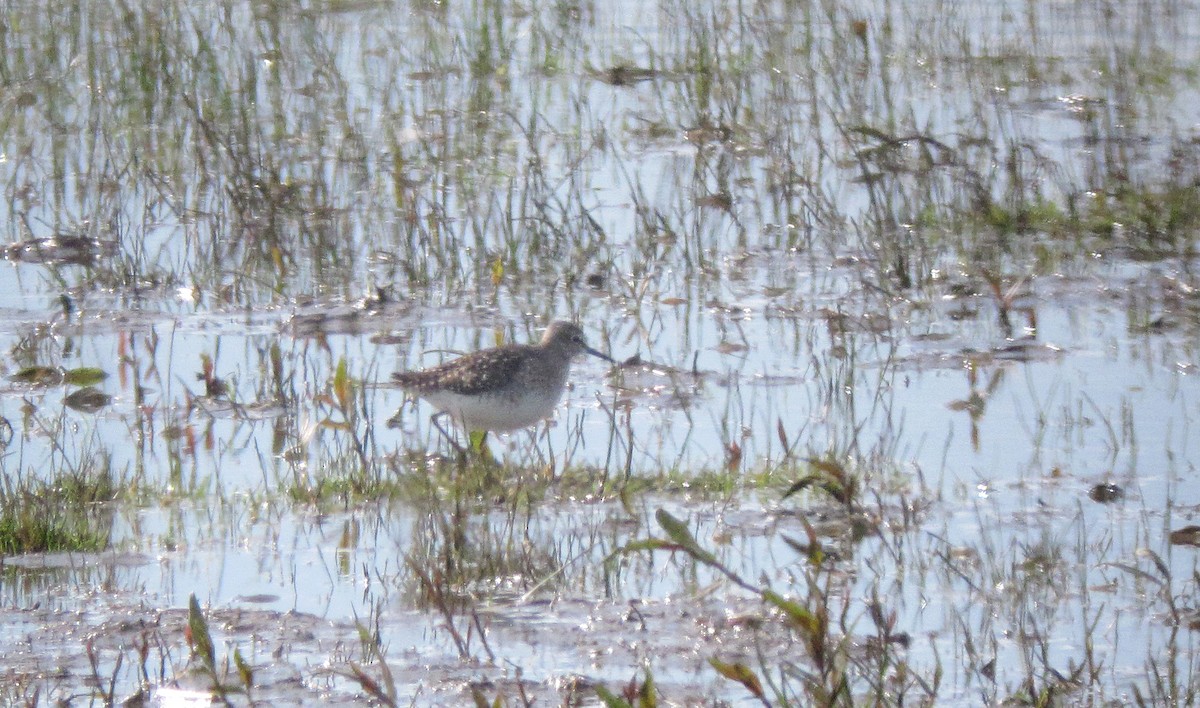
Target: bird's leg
[436, 420]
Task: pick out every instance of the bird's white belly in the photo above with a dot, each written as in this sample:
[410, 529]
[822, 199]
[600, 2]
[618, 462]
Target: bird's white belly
[498, 412]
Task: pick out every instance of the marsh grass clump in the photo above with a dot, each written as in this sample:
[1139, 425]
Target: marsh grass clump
[69, 512]
[347, 487]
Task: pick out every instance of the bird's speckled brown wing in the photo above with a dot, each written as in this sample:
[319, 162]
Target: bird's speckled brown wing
[469, 375]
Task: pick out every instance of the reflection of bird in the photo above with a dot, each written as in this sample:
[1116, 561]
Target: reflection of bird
[505, 388]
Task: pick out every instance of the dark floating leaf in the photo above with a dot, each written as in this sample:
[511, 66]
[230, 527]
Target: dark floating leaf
[1106, 493]
[87, 400]
[635, 360]
[1186, 536]
[388, 339]
[261, 598]
[720, 200]
[38, 376]
[624, 75]
[74, 250]
[85, 376]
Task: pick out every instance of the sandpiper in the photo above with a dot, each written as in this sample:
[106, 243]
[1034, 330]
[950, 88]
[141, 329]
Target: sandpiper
[505, 388]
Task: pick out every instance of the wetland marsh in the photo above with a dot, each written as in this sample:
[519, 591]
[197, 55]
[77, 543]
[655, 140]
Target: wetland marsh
[905, 297]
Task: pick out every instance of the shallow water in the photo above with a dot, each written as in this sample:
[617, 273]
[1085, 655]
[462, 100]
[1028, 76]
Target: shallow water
[795, 217]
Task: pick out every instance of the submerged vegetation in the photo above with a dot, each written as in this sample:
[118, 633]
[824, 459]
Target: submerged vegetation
[904, 295]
